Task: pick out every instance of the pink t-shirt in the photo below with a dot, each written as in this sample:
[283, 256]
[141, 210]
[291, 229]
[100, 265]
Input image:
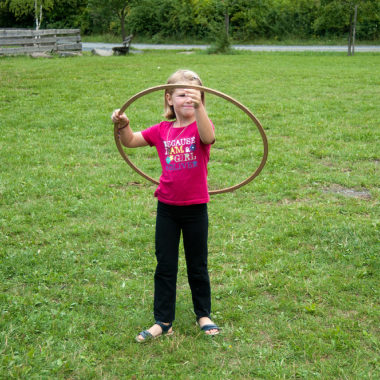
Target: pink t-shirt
[184, 160]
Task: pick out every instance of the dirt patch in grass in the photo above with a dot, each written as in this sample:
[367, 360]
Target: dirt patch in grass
[347, 192]
[124, 186]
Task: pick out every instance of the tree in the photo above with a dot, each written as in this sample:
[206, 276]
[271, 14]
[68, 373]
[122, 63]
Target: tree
[352, 32]
[110, 8]
[67, 14]
[242, 19]
[216, 15]
[339, 16]
[366, 8]
[25, 7]
[214, 10]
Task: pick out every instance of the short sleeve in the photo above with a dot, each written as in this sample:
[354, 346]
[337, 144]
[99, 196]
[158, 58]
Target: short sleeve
[151, 134]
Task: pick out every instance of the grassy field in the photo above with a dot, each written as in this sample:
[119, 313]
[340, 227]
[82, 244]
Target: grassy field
[294, 255]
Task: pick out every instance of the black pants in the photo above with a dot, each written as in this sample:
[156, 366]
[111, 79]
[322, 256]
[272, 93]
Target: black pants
[192, 221]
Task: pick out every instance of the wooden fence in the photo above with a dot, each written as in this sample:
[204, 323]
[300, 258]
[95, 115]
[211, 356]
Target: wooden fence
[27, 41]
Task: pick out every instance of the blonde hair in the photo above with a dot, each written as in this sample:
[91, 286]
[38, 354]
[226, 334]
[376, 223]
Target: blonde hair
[181, 77]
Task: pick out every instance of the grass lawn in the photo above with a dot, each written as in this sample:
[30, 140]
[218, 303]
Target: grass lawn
[294, 255]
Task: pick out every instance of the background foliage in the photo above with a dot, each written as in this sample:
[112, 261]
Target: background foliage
[196, 19]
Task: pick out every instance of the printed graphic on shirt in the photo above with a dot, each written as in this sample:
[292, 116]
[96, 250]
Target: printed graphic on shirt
[180, 154]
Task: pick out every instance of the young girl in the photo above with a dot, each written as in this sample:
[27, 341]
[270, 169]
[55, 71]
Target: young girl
[183, 146]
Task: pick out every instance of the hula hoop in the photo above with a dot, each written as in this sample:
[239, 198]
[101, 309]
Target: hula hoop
[211, 91]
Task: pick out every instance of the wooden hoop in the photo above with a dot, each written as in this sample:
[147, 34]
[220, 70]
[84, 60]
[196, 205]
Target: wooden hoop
[211, 91]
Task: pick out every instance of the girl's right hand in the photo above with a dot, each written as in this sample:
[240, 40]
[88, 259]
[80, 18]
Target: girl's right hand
[118, 118]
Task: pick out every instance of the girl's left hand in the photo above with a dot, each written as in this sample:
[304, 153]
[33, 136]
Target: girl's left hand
[195, 96]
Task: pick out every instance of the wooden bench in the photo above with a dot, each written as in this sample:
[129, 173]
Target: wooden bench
[123, 50]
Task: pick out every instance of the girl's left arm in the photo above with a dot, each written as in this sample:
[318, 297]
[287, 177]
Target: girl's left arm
[205, 128]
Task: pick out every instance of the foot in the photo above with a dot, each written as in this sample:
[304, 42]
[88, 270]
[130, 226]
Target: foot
[203, 321]
[155, 331]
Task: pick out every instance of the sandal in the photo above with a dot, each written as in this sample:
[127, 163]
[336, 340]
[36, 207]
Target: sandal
[208, 327]
[148, 336]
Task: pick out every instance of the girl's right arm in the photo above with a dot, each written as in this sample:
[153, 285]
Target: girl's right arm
[128, 138]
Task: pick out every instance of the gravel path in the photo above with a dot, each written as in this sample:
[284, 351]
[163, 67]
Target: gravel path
[88, 46]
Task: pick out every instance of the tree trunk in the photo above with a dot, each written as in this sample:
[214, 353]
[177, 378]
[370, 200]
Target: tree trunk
[38, 15]
[349, 52]
[352, 32]
[227, 22]
[122, 16]
[40, 20]
[354, 29]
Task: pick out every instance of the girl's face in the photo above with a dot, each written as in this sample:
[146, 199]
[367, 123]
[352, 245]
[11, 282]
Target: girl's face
[182, 103]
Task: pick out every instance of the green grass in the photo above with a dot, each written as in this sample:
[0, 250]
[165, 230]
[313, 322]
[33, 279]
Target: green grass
[294, 256]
